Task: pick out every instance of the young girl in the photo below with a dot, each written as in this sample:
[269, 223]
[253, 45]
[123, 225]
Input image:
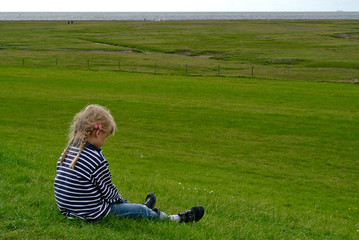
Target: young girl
[83, 186]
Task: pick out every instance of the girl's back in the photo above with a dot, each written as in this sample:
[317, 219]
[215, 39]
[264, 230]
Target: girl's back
[75, 192]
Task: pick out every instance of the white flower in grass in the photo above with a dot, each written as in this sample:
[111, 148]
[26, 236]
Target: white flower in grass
[179, 183]
[210, 191]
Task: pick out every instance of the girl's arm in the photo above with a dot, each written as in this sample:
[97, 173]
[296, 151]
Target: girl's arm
[102, 179]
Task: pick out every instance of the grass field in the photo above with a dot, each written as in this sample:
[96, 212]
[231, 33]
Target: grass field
[267, 158]
[312, 50]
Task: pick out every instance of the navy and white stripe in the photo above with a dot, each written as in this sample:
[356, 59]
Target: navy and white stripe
[87, 191]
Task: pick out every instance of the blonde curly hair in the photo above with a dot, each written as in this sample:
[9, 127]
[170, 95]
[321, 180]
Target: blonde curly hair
[90, 118]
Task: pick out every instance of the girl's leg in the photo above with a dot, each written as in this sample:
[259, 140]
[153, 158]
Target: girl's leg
[131, 210]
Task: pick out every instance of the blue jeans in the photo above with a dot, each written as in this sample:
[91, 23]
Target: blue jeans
[125, 209]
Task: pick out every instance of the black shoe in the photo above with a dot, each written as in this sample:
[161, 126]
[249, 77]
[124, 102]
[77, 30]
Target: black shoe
[194, 214]
[150, 201]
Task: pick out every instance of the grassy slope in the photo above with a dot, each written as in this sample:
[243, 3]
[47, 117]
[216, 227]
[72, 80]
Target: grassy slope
[266, 158]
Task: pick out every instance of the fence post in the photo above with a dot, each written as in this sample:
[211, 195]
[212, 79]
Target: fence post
[252, 71]
[288, 73]
[155, 68]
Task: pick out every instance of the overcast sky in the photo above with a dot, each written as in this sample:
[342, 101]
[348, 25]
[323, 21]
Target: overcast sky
[175, 5]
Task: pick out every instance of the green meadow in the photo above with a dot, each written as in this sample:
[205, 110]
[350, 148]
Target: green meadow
[296, 50]
[268, 157]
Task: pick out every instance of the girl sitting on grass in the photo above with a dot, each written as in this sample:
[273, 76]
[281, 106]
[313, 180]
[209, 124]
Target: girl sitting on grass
[83, 186]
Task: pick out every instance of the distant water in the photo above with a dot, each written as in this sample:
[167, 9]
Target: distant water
[165, 16]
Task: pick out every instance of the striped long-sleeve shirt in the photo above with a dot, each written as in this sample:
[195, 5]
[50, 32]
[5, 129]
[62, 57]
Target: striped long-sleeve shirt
[87, 191]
